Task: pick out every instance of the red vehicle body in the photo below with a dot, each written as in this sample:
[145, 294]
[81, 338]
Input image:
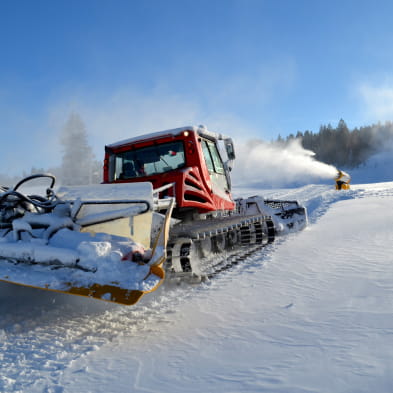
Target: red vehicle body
[189, 157]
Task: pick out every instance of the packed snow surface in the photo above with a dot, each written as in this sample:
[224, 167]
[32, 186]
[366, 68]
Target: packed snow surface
[310, 313]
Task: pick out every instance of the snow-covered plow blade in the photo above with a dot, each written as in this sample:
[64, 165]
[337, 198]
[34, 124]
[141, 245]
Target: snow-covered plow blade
[95, 241]
[287, 216]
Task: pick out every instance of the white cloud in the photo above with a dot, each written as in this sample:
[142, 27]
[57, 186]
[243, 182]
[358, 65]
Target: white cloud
[128, 112]
[377, 101]
[257, 86]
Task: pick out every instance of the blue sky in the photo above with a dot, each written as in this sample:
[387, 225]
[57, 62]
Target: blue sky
[246, 68]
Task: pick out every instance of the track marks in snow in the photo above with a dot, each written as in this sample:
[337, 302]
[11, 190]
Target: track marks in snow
[43, 336]
[235, 333]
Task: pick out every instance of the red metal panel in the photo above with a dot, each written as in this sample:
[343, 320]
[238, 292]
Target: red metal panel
[193, 182]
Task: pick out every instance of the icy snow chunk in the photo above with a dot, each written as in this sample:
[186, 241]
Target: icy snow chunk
[3, 335]
[94, 249]
[7, 382]
[106, 296]
[21, 225]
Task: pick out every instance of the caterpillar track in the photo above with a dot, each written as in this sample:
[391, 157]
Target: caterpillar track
[202, 248]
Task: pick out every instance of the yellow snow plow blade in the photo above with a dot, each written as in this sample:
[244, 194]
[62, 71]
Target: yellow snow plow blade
[117, 294]
[87, 247]
[130, 297]
[111, 293]
[143, 277]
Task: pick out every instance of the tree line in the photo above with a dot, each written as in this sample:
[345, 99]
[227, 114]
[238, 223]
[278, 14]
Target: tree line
[338, 146]
[343, 147]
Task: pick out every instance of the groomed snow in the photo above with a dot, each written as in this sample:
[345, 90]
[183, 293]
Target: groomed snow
[312, 313]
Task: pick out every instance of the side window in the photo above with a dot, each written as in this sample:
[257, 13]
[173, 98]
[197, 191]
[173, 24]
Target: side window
[208, 158]
[218, 166]
[118, 166]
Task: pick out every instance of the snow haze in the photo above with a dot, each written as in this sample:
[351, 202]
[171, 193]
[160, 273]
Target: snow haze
[259, 163]
[378, 168]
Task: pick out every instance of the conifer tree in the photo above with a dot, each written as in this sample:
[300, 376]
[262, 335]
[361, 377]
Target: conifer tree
[78, 159]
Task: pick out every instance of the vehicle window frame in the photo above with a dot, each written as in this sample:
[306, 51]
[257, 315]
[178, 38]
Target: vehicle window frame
[214, 159]
[135, 157]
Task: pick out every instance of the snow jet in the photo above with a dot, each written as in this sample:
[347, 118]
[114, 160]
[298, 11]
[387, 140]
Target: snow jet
[266, 164]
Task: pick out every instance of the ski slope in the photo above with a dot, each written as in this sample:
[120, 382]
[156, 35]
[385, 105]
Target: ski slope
[310, 313]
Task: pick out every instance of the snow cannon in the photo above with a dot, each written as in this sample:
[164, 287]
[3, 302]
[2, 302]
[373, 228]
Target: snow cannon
[342, 180]
[101, 241]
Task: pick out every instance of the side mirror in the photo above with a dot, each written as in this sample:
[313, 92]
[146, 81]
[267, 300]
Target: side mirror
[230, 149]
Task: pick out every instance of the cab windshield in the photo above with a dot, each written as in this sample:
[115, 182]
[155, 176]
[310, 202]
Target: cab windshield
[148, 161]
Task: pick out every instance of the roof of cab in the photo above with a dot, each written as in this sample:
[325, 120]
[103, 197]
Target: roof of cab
[201, 130]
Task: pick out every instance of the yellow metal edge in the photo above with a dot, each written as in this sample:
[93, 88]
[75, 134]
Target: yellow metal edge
[97, 291]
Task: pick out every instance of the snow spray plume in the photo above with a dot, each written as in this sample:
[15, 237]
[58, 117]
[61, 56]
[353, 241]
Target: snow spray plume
[266, 164]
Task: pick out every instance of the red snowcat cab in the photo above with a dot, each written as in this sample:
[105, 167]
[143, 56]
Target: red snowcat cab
[193, 165]
[190, 158]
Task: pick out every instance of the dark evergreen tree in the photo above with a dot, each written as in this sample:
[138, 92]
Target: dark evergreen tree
[345, 148]
[78, 159]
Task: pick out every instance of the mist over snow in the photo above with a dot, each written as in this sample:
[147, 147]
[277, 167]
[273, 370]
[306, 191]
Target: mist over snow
[378, 168]
[260, 163]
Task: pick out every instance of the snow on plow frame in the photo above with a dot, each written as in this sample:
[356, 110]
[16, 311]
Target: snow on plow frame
[120, 295]
[17, 271]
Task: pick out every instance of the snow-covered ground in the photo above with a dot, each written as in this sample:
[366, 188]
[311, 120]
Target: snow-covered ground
[310, 313]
